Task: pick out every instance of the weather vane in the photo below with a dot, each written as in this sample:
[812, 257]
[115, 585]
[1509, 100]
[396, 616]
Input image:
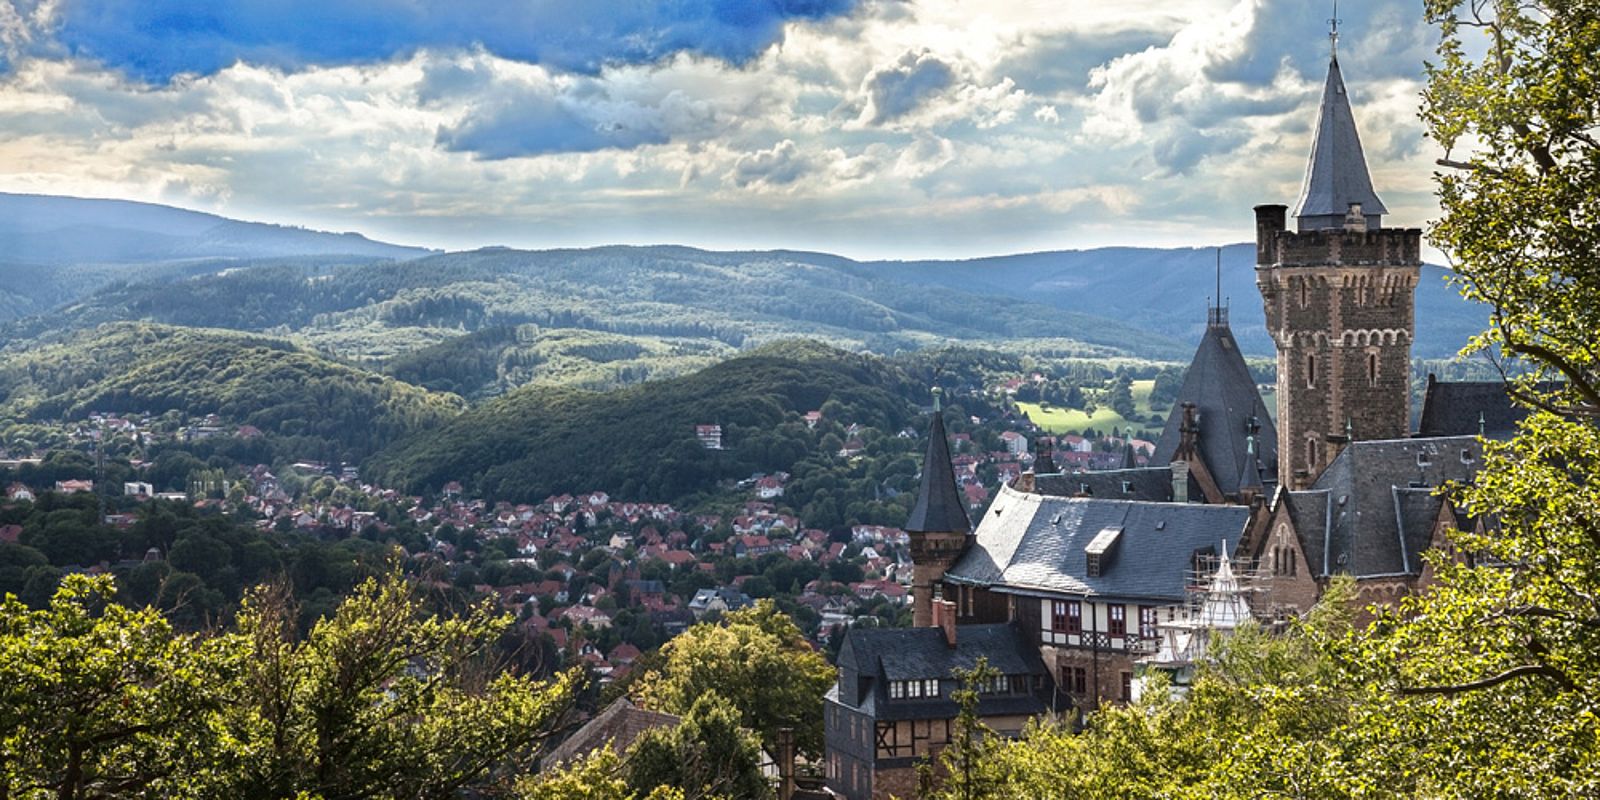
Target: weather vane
[1333, 30]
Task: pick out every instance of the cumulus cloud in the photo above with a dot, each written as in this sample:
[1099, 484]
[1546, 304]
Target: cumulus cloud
[780, 165]
[900, 128]
[901, 88]
[156, 41]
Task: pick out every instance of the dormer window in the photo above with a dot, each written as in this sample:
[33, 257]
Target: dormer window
[1100, 551]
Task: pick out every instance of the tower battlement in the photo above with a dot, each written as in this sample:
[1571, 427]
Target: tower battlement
[1277, 246]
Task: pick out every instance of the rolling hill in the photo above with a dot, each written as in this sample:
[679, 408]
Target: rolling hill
[314, 407]
[640, 441]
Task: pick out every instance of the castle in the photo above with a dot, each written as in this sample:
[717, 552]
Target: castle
[1068, 578]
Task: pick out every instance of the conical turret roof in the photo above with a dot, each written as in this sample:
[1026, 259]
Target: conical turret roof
[939, 507]
[1336, 175]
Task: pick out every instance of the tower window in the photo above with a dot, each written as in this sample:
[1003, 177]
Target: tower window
[1311, 370]
[1305, 292]
[1372, 369]
[1311, 455]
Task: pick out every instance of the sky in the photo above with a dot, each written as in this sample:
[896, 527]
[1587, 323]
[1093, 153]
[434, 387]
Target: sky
[868, 128]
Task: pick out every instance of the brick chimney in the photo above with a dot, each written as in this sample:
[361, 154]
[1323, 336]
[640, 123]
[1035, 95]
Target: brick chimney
[944, 618]
[1180, 481]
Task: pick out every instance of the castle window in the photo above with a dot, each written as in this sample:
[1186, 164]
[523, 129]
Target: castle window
[1311, 370]
[1294, 564]
[1311, 455]
[1372, 369]
[1147, 622]
[1075, 679]
[1066, 616]
[1305, 292]
[1117, 624]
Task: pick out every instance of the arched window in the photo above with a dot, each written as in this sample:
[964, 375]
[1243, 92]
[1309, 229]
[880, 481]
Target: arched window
[1311, 370]
[1372, 369]
[1311, 455]
[1294, 567]
[1305, 292]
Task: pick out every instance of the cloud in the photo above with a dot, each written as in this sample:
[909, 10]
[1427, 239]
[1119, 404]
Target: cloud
[901, 88]
[509, 110]
[156, 41]
[780, 165]
[904, 128]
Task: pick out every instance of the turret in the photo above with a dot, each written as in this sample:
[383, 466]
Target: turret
[938, 525]
[1339, 302]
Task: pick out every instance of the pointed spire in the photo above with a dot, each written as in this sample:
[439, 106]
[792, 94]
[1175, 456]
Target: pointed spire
[939, 507]
[1250, 474]
[1337, 185]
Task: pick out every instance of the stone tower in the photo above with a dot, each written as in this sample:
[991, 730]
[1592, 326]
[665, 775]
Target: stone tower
[938, 525]
[1338, 292]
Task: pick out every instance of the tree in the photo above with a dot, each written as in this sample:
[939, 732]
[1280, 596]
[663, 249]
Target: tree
[1521, 205]
[758, 661]
[708, 755]
[380, 700]
[100, 700]
[1512, 622]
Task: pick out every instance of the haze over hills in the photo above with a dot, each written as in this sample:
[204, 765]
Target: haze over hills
[54, 250]
[103, 261]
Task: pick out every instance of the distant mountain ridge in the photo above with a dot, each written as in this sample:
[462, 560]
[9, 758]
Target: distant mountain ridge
[55, 250]
[92, 262]
[49, 229]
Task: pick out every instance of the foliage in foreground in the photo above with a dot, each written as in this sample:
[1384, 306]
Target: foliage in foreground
[380, 700]
[757, 660]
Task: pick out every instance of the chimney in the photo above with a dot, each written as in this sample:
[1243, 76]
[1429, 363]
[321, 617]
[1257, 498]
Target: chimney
[1043, 463]
[1270, 221]
[944, 618]
[786, 785]
[1180, 481]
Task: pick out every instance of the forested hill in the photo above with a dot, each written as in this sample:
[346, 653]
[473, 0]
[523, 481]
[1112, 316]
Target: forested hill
[55, 250]
[1164, 291]
[306, 406]
[640, 441]
[376, 311]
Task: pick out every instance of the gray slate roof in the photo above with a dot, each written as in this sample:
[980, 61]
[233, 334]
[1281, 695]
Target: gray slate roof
[1153, 484]
[1336, 174]
[1035, 543]
[1225, 398]
[939, 507]
[1371, 511]
[1454, 408]
[898, 654]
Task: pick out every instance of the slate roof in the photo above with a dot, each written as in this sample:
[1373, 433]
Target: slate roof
[1143, 483]
[1336, 173]
[1371, 512]
[939, 507]
[616, 727]
[1225, 397]
[1454, 408]
[1034, 543]
[878, 655]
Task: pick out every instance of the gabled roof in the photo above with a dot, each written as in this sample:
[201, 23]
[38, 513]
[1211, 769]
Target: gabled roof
[939, 507]
[1225, 398]
[1456, 408]
[900, 654]
[1336, 174]
[1371, 512]
[1034, 543]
